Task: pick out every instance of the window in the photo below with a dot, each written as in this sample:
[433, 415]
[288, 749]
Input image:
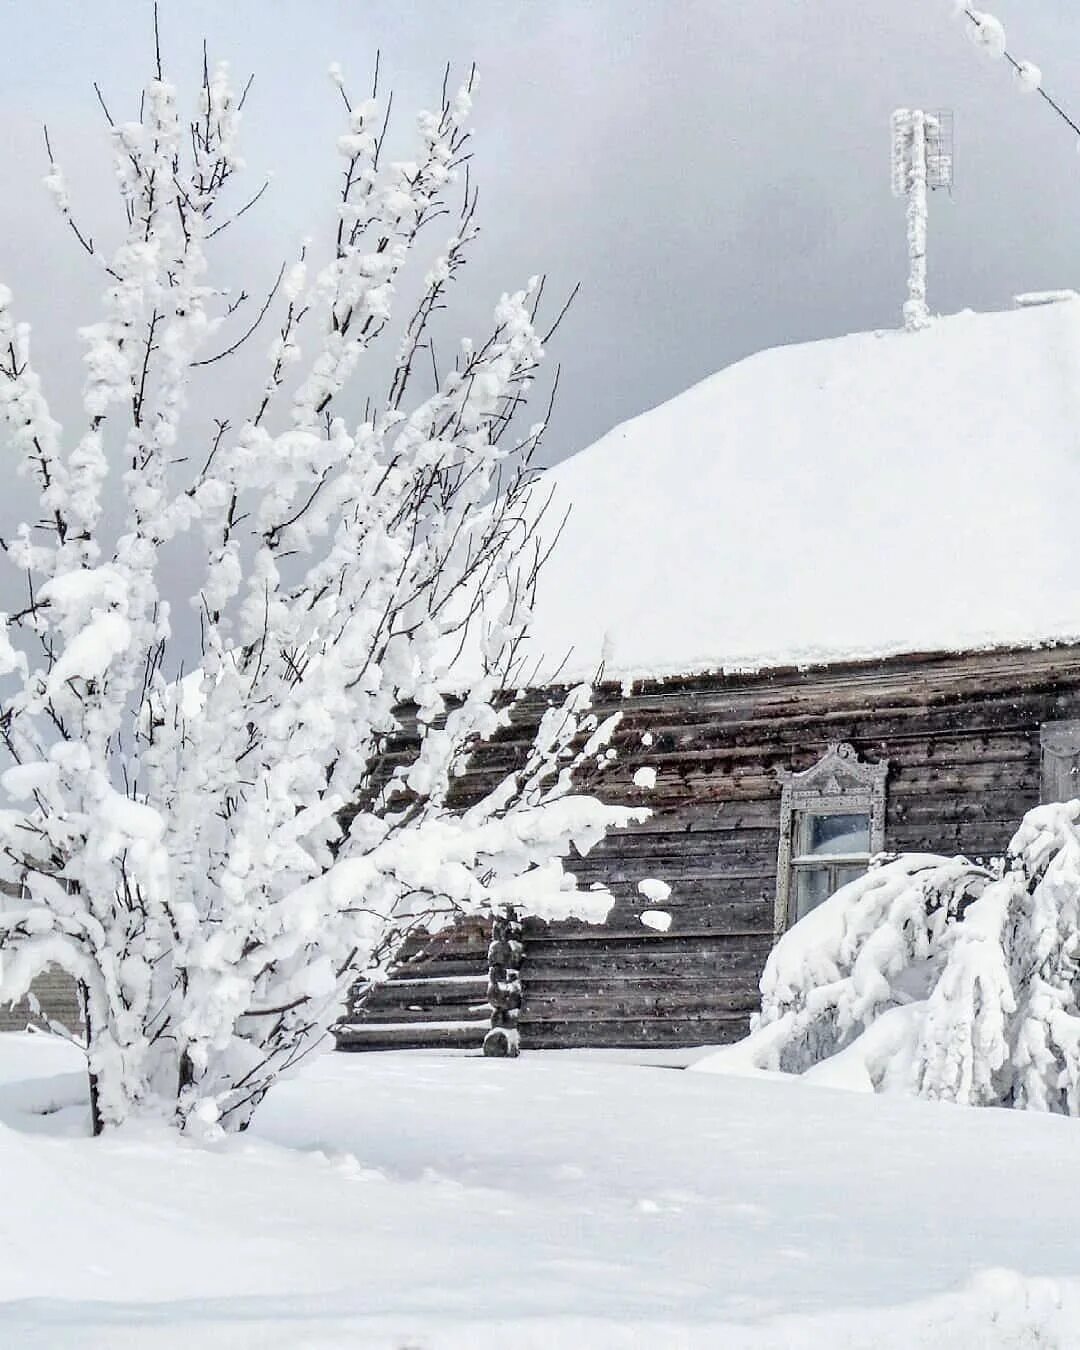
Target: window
[832, 820]
[1059, 743]
[830, 849]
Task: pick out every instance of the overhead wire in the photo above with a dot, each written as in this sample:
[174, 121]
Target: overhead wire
[1020, 67]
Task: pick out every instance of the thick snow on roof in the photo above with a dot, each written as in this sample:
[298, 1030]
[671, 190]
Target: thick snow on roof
[873, 494]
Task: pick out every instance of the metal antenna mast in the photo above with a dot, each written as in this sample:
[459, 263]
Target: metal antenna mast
[922, 160]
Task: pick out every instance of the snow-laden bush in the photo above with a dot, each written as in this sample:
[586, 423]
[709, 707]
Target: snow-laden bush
[215, 857]
[939, 976]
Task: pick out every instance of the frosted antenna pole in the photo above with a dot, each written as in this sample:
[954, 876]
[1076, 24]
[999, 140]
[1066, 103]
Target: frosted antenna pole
[916, 314]
[921, 160]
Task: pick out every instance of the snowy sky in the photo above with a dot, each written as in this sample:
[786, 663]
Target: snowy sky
[714, 173]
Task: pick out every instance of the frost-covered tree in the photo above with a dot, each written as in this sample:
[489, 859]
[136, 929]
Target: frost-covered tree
[179, 839]
[943, 977]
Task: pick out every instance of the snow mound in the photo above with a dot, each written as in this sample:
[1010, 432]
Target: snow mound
[867, 495]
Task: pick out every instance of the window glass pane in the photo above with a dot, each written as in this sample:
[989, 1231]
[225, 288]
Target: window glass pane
[1060, 760]
[824, 835]
[842, 875]
[811, 886]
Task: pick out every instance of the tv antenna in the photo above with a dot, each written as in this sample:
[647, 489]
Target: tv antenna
[922, 161]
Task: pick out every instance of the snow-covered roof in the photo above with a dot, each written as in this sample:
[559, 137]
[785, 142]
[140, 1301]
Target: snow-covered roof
[873, 494]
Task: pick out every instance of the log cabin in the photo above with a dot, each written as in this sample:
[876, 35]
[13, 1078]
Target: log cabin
[832, 592]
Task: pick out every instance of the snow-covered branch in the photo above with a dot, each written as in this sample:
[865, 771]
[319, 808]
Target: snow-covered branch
[215, 856]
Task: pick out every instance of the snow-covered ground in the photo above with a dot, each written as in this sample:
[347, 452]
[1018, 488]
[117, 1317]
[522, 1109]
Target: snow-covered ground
[426, 1201]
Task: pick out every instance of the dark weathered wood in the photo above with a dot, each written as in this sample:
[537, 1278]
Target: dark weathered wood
[562, 980]
[960, 733]
[479, 1012]
[439, 967]
[504, 985]
[56, 995]
[359, 1035]
[435, 990]
[618, 1000]
[600, 940]
[633, 1031]
[436, 995]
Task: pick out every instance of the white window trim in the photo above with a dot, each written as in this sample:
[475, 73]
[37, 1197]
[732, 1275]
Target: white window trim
[838, 784]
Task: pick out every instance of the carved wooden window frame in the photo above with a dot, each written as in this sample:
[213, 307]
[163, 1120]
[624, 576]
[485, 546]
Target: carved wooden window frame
[838, 784]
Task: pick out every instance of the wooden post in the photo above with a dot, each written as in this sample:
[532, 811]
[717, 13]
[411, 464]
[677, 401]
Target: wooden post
[504, 985]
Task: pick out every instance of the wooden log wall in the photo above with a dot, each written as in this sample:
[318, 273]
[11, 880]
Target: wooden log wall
[960, 733]
[435, 997]
[57, 998]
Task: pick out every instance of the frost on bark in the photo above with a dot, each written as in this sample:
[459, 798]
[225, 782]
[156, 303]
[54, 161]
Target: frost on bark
[943, 977]
[207, 840]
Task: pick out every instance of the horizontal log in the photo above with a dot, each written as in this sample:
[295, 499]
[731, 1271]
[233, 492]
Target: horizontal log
[705, 891]
[689, 918]
[986, 838]
[706, 950]
[754, 853]
[942, 813]
[615, 867]
[690, 817]
[566, 961]
[691, 1006]
[403, 978]
[438, 967]
[361, 1036]
[554, 980]
[693, 868]
[737, 904]
[539, 936]
[429, 994]
[698, 787]
[695, 874]
[749, 843]
[406, 1014]
[631, 1032]
[941, 780]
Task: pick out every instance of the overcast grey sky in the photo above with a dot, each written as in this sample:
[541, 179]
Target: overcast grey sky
[714, 172]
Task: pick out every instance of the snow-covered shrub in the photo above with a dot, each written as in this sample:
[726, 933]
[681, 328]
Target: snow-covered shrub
[182, 839]
[941, 976]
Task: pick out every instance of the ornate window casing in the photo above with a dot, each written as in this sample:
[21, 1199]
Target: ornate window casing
[820, 847]
[1059, 745]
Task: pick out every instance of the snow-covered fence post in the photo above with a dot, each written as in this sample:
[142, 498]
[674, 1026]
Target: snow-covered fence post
[504, 984]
